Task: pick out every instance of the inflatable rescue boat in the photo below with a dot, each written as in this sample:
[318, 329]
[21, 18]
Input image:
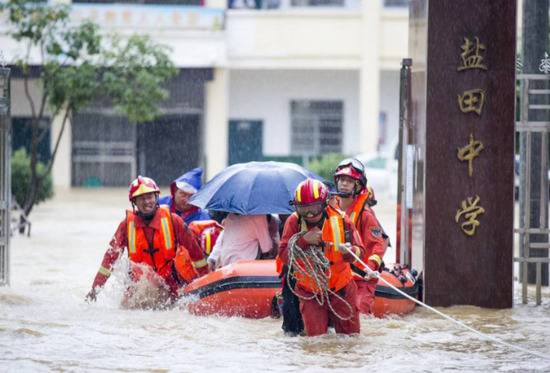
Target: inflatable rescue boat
[248, 289]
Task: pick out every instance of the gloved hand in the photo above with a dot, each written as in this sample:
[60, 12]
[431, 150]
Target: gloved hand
[313, 236]
[371, 275]
[372, 272]
[91, 296]
[345, 247]
[211, 264]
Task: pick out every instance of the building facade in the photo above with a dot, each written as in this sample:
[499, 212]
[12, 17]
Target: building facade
[263, 79]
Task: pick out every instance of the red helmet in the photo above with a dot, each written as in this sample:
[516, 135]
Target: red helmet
[142, 185]
[353, 168]
[310, 191]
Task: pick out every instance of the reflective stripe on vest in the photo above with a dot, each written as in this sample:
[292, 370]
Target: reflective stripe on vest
[163, 239]
[166, 233]
[131, 237]
[337, 231]
[357, 207]
[333, 233]
[207, 243]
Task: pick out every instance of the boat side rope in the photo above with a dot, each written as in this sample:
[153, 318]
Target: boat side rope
[314, 264]
[477, 332]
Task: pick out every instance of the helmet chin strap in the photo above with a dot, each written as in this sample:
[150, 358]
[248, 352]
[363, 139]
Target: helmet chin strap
[344, 195]
[357, 188]
[146, 217]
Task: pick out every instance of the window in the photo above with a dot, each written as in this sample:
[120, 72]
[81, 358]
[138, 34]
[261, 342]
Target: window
[338, 3]
[316, 127]
[158, 2]
[396, 3]
[21, 136]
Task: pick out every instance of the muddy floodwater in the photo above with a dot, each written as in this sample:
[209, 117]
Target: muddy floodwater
[45, 325]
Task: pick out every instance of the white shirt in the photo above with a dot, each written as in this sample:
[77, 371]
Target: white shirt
[241, 237]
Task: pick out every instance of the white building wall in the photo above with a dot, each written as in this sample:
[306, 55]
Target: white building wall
[266, 95]
[215, 122]
[389, 103]
[325, 38]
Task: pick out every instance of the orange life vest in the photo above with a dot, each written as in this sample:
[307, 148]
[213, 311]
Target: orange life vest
[159, 253]
[357, 207]
[355, 210]
[207, 232]
[333, 234]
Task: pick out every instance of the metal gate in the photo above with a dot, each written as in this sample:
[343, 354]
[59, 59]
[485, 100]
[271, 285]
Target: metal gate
[5, 176]
[533, 128]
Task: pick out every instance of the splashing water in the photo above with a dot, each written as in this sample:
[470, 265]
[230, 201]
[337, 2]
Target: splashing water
[45, 325]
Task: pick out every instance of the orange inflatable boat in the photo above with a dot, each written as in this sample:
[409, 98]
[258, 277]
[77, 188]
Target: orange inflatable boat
[248, 289]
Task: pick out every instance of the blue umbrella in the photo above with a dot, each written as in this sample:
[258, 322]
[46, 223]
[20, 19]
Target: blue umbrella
[253, 188]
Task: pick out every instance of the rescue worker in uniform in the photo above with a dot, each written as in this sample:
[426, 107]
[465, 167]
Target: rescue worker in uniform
[324, 228]
[157, 241]
[356, 200]
[207, 233]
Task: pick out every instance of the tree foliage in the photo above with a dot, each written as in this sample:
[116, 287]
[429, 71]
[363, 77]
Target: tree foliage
[325, 165]
[78, 65]
[21, 177]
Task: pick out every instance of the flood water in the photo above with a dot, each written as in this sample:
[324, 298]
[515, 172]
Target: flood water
[45, 325]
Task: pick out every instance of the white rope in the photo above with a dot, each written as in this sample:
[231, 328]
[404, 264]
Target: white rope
[316, 266]
[481, 334]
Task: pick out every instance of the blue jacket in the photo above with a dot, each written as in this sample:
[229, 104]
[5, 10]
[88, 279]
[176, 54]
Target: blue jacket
[189, 182]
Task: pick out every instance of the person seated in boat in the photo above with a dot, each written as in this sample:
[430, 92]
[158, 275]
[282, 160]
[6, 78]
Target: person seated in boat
[356, 199]
[315, 257]
[159, 245]
[207, 233]
[273, 224]
[181, 191]
[244, 237]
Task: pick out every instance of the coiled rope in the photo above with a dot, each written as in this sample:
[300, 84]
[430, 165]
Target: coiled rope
[314, 264]
[481, 334]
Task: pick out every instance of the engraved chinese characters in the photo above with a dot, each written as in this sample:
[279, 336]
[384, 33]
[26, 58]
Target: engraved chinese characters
[472, 55]
[471, 101]
[469, 152]
[469, 211]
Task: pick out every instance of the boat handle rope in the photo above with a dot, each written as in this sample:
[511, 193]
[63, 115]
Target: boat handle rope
[481, 334]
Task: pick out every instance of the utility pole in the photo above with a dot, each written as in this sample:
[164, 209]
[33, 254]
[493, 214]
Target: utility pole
[5, 173]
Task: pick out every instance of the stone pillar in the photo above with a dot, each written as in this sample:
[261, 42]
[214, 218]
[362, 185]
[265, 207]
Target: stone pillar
[463, 99]
[369, 84]
[62, 166]
[216, 122]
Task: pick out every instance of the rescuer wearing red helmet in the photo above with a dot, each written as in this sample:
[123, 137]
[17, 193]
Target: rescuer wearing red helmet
[207, 233]
[356, 199]
[157, 241]
[323, 231]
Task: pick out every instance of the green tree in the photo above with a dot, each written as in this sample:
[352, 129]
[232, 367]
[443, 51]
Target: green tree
[21, 176]
[326, 165]
[78, 65]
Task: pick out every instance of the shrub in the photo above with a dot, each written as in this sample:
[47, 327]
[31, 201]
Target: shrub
[21, 177]
[326, 165]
